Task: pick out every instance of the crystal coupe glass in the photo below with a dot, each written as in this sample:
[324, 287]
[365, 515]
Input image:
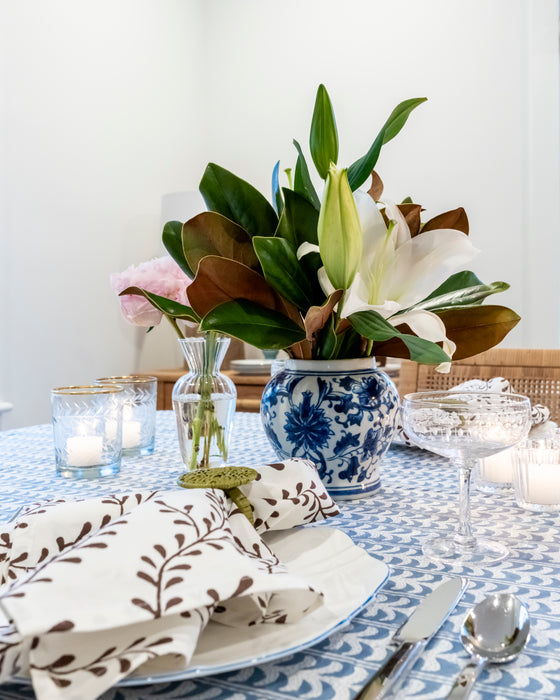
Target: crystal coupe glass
[465, 426]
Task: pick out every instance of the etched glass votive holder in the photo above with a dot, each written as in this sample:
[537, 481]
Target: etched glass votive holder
[87, 429]
[537, 474]
[139, 412]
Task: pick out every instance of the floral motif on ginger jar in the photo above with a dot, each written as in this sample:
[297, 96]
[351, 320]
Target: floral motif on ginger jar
[341, 414]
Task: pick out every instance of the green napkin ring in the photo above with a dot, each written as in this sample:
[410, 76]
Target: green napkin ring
[227, 479]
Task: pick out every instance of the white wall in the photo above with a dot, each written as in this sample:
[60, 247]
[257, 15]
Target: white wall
[109, 105]
[487, 139]
[101, 117]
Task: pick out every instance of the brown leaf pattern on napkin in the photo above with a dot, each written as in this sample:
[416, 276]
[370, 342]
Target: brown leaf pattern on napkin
[14, 564]
[66, 554]
[165, 569]
[289, 494]
[147, 571]
[62, 669]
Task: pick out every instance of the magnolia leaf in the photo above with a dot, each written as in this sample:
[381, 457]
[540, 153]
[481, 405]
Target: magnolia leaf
[460, 280]
[327, 343]
[323, 137]
[211, 233]
[424, 351]
[301, 351]
[343, 325]
[171, 238]
[411, 213]
[220, 280]
[360, 170]
[372, 325]
[282, 270]
[253, 324]
[392, 348]
[298, 223]
[473, 329]
[350, 344]
[317, 316]
[376, 189]
[456, 219]
[302, 179]
[477, 328]
[276, 193]
[167, 306]
[237, 200]
[461, 297]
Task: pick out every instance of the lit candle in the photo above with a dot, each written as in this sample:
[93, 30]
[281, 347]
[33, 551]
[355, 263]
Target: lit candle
[543, 484]
[131, 434]
[84, 450]
[498, 468]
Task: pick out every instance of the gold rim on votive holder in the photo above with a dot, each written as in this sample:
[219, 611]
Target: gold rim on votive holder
[85, 389]
[128, 379]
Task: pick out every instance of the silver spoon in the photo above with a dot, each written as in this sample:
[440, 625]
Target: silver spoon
[495, 631]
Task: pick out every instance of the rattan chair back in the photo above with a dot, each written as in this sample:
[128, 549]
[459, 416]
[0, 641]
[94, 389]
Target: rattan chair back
[532, 372]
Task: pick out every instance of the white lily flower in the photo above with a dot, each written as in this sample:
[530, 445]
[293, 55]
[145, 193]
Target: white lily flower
[397, 270]
[306, 248]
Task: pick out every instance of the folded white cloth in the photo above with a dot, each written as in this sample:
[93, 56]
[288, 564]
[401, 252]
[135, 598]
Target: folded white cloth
[92, 590]
[541, 424]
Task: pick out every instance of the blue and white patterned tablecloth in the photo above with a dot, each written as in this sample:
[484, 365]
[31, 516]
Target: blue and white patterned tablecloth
[418, 497]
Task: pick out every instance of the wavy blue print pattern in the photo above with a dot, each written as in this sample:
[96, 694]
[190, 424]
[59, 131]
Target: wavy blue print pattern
[418, 496]
[343, 421]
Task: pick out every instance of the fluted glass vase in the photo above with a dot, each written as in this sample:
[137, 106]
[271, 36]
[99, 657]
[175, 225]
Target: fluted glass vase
[204, 403]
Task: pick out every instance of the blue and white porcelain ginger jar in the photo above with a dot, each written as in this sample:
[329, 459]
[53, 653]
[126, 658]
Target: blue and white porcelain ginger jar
[341, 414]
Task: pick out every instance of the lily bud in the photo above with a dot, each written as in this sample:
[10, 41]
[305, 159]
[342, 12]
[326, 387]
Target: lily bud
[339, 230]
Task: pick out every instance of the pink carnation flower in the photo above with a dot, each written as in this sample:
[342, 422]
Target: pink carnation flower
[160, 276]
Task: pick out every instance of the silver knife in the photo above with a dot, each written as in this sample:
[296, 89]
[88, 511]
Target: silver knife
[412, 638]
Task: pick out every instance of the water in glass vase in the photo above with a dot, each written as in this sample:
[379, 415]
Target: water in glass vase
[203, 428]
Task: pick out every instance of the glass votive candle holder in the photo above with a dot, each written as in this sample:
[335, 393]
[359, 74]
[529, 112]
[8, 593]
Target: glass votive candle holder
[537, 475]
[495, 473]
[139, 412]
[87, 430]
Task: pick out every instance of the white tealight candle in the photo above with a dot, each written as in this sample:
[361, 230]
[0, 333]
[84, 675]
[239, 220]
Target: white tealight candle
[111, 429]
[131, 434]
[128, 412]
[543, 484]
[84, 450]
[498, 468]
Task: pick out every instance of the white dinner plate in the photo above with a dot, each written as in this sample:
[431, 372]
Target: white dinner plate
[329, 561]
[251, 366]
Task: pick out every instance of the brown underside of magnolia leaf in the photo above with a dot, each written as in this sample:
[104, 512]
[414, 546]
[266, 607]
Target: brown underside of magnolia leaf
[317, 316]
[376, 189]
[478, 328]
[343, 326]
[220, 280]
[473, 330]
[300, 351]
[411, 213]
[211, 233]
[456, 219]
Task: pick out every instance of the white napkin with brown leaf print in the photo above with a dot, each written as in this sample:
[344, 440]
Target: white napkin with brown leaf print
[92, 590]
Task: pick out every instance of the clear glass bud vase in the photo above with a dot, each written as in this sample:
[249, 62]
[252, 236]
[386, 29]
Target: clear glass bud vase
[204, 403]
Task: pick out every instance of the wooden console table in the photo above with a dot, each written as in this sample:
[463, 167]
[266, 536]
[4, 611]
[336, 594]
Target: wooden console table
[249, 388]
